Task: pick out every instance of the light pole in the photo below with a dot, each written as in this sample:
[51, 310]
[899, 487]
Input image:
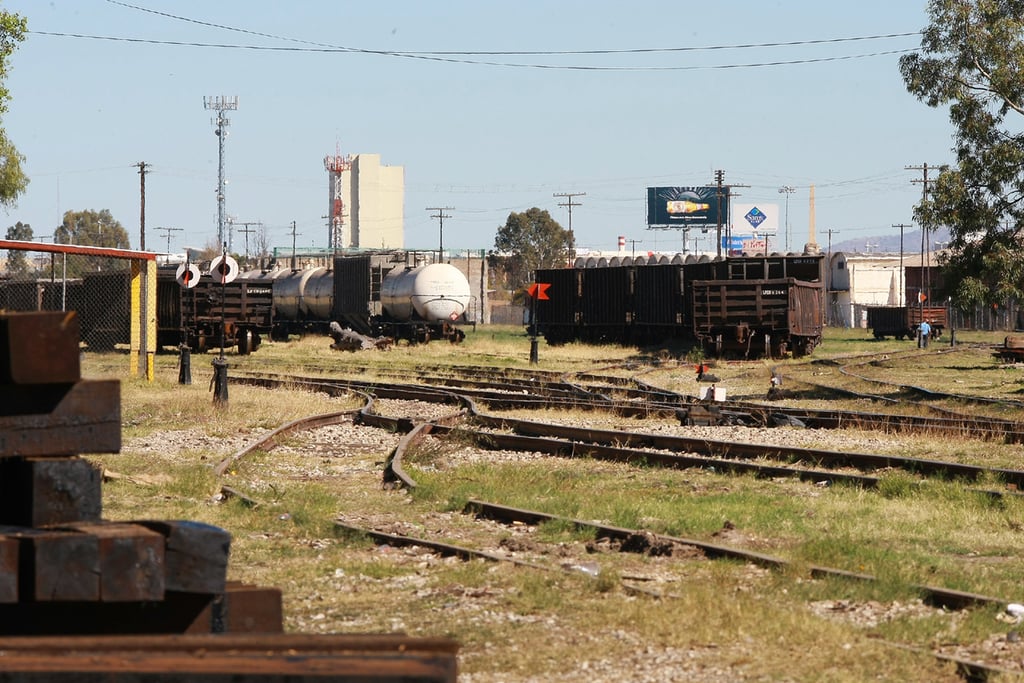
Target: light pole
[787, 190]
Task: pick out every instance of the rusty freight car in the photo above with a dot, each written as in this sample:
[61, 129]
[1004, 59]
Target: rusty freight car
[754, 318]
[902, 322]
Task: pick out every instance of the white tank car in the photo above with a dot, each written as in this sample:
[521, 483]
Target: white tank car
[436, 293]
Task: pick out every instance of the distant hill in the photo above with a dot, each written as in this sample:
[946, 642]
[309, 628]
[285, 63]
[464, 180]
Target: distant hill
[890, 244]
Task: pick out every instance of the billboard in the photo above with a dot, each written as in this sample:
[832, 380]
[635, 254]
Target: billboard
[687, 206]
[755, 219]
[734, 245]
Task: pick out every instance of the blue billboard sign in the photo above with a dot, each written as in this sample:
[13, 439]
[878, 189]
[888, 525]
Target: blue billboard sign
[731, 243]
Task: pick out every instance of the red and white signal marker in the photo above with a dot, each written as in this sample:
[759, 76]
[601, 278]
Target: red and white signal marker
[187, 275]
[224, 269]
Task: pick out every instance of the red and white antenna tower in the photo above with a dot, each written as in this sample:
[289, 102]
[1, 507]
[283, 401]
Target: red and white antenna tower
[335, 166]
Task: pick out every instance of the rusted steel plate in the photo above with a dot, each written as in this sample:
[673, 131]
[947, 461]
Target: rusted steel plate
[242, 608]
[39, 348]
[175, 614]
[45, 491]
[8, 569]
[196, 555]
[131, 561]
[84, 417]
[243, 659]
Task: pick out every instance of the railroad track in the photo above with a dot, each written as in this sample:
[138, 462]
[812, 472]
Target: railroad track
[623, 538]
[504, 389]
[763, 460]
[652, 402]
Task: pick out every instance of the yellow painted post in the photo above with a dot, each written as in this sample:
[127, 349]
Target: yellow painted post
[150, 315]
[135, 317]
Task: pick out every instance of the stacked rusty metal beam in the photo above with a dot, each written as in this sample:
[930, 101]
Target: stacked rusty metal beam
[82, 598]
[64, 570]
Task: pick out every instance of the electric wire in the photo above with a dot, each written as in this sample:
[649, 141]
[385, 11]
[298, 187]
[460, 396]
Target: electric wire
[462, 56]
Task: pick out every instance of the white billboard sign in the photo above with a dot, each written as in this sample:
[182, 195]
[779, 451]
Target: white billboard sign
[755, 219]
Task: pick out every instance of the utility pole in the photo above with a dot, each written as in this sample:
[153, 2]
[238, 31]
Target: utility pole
[926, 276]
[142, 205]
[246, 230]
[144, 355]
[220, 104]
[635, 242]
[294, 235]
[440, 216]
[787, 190]
[169, 231]
[570, 203]
[903, 295]
[720, 185]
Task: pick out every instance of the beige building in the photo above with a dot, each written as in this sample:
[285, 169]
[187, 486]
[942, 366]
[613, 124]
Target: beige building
[856, 281]
[374, 204]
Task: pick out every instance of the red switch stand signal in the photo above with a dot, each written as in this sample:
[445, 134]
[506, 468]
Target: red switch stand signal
[538, 291]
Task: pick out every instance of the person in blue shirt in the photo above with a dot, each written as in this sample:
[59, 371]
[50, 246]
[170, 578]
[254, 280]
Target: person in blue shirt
[925, 332]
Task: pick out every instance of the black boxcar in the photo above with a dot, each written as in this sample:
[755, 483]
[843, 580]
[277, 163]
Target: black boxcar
[558, 315]
[658, 303]
[606, 304]
[355, 291]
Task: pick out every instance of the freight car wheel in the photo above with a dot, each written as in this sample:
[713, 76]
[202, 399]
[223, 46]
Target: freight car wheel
[246, 342]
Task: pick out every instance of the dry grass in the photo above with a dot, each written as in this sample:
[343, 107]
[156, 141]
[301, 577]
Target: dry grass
[518, 624]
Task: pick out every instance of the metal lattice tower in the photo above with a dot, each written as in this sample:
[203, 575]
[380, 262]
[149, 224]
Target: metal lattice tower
[336, 165]
[220, 104]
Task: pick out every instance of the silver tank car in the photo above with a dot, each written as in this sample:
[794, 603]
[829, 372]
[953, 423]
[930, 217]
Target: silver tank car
[304, 294]
[436, 293]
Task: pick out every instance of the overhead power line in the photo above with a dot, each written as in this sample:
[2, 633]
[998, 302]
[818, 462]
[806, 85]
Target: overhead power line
[465, 57]
[817, 41]
[476, 62]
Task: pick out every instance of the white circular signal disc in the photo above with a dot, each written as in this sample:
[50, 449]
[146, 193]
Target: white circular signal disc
[224, 269]
[187, 275]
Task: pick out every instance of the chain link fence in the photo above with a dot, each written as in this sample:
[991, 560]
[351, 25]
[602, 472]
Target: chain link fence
[97, 287]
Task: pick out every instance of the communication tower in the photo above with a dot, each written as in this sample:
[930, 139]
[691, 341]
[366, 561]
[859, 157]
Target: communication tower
[335, 166]
[221, 104]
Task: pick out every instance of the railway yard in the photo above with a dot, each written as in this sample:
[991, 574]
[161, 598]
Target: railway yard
[588, 518]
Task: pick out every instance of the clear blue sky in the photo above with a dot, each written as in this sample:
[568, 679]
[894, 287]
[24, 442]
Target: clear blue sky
[474, 132]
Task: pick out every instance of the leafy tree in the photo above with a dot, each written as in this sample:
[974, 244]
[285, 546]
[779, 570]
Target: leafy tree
[261, 248]
[17, 262]
[972, 60]
[13, 180]
[96, 229]
[532, 239]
